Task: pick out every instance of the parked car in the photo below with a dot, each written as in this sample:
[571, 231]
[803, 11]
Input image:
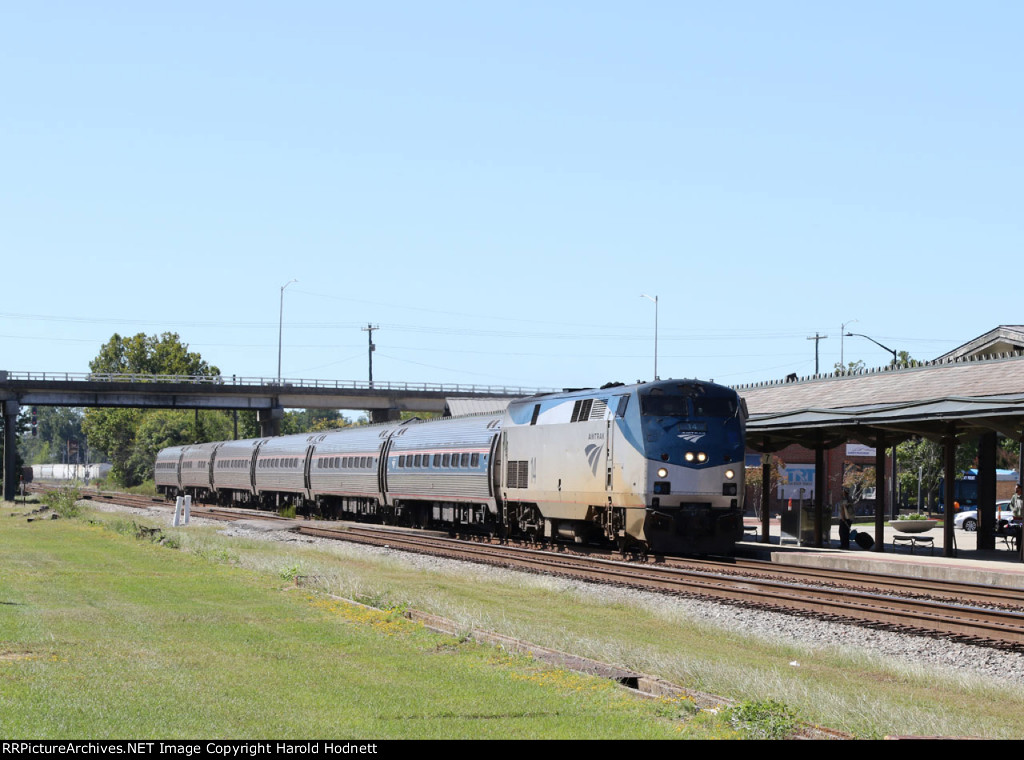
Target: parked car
[968, 518]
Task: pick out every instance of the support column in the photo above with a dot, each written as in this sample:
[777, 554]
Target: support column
[949, 457]
[766, 496]
[987, 491]
[385, 415]
[880, 493]
[820, 484]
[270, 421]
[11, 476]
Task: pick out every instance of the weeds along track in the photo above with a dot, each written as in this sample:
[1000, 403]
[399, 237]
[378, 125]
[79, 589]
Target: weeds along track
[931, 608]
[989, 627]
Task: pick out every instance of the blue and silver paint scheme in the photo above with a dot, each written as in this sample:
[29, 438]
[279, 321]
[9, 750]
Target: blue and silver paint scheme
[625, 449]
[655, 464]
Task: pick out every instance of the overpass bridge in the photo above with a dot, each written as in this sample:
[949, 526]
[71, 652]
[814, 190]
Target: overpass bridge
[948, 401]
[268, 397]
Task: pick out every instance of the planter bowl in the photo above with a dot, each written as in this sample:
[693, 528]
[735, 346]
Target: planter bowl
[913, 526]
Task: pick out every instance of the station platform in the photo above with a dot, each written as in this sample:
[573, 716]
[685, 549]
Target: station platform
[999, 568]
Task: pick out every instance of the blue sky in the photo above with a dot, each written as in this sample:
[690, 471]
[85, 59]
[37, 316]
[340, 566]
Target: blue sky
[496, 184]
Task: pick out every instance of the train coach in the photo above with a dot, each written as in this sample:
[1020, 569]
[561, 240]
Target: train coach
[657, 466]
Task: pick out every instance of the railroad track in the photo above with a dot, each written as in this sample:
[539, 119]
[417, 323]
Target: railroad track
[880, 601]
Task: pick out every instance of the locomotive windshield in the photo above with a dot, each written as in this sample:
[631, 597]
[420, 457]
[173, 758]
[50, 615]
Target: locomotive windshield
[664, 406]
[714, 407]
[690, 403]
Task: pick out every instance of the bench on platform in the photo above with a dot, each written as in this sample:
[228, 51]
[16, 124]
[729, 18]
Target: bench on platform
[913, 542]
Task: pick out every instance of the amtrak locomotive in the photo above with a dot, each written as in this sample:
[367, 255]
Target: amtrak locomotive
[656, 466]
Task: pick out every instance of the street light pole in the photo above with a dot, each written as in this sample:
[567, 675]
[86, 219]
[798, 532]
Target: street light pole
[280, 329]
[842, 334]
[893, 484]
[859, 335]
[655, 301]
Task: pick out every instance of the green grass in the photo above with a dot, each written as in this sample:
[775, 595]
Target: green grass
[105, 636]
[835, 686]
[307, 668]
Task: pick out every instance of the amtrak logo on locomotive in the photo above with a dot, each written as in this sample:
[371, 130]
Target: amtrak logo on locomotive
[593, 452]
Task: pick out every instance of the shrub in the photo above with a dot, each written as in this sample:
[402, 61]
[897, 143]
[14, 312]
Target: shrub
[763, 719]
[63, 501]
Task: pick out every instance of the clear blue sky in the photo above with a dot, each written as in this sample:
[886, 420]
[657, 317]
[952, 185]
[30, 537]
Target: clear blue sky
[496, 184]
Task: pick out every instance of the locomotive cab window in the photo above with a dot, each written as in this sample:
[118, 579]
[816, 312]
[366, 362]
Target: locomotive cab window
[655, 404]
[714, 407]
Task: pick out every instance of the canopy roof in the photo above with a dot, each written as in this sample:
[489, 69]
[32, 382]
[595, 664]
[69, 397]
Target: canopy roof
[963, 398]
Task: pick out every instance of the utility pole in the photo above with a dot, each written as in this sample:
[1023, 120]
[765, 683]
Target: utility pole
[369, 334]
[655, 302]
[816, 338]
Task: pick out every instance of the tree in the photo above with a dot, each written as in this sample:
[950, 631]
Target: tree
[856, 480]
[904, 359]
[754, 480]
[313, 421]
[150, 355]
[59, 434]
[128, 436]
[923, 457]
[851, 368]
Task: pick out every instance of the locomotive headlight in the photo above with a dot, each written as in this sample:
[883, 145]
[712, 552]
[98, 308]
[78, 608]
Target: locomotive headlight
[662, 472]
[701, 456]
[689, 456]
[729, 474]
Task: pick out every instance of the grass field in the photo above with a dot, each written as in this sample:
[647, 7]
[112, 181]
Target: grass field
[106, 635]
[103, 635]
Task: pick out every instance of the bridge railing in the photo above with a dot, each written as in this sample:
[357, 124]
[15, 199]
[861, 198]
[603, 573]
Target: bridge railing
[271, 383]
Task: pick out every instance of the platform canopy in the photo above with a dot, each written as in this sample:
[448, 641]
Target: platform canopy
[962, 398]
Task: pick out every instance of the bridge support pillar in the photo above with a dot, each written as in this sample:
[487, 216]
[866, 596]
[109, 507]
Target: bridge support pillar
[270, 421]
[11, 475]
[385, 415]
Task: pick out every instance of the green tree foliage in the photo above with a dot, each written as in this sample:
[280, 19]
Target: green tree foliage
[130, 438]
[851, 368]
[150, 355]
[313, 421]
[904, 359]
[922, 458]
[59, 436]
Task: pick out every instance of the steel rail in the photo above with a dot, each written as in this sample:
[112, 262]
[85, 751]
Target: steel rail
[997, 627]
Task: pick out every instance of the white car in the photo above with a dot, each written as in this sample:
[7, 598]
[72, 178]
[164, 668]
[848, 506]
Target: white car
[968, 518]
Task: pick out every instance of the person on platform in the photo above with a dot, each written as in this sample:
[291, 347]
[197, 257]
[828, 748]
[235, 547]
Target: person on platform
[845, 520]
[1016, 503]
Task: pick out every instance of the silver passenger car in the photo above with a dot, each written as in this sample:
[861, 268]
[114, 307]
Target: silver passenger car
[447, 460]
[280, 466]
[345, 463]
[167, 470]
[233, 469]
[197, 468]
